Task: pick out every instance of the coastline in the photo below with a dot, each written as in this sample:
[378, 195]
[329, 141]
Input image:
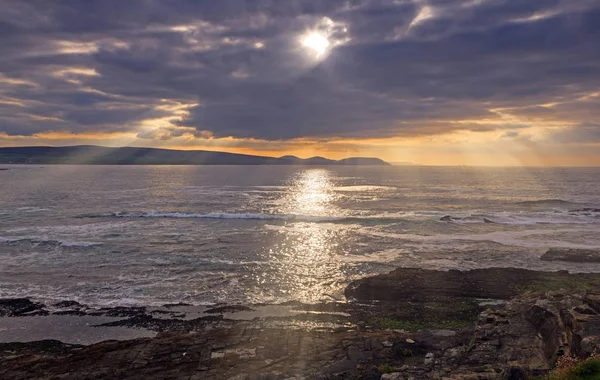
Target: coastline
[413, 323]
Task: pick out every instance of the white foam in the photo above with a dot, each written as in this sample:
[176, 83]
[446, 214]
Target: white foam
[66, 243]
[528, 218]
[217, 215]
[37, 240]
[32, 209]
[526, 239]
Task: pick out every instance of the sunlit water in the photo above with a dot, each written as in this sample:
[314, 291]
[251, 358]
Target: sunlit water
[208, 234]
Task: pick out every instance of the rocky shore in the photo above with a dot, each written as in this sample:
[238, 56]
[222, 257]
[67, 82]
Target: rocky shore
[497, 323]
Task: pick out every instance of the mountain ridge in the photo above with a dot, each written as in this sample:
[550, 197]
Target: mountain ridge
[99, 155]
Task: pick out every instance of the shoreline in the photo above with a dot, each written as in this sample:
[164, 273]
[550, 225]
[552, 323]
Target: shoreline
[410, 322]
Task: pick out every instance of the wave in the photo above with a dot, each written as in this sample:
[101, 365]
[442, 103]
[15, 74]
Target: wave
[524, 219]
[586, 216]
[214, 215]
[546, 202]
[48, 242]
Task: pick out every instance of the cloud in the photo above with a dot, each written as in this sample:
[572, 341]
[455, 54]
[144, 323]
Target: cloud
[510, 134]
[237, 67]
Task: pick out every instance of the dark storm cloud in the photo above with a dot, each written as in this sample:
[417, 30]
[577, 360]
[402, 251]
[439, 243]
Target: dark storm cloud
[397, 68]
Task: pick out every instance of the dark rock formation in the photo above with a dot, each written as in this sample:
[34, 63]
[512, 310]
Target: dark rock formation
[68, 304]
[543, 316]
[18, 307]
[518, 339]
[586, 210]
[496, 283]
[228, 309]
[574, 255]
[43, 347]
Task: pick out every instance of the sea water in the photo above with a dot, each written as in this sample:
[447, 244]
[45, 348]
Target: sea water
[149, 235]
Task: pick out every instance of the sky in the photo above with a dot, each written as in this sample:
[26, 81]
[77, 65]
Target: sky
[433, 82]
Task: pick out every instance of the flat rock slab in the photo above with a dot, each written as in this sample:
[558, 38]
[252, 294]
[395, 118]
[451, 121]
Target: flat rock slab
[573, 255]
[493, 283]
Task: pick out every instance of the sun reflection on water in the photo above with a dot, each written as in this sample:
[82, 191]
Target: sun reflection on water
[303, 258]
[310, 193]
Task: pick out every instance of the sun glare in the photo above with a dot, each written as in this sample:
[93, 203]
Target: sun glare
[317, 42]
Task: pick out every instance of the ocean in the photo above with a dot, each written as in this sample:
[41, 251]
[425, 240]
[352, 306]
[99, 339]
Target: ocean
[150, 235]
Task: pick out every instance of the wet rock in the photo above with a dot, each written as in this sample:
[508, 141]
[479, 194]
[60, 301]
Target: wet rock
[584, 210]
[42, 347]
[122, 311]
[520, 337]
[420, 284]
[163, 324]
[572, 255]
[70, 312]
[19, 307]
[68, 304]
[180, 304]
[228, 309]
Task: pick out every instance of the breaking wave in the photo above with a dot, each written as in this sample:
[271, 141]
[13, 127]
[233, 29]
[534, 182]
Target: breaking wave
[546, 202]
[586, 216]
[526, 219]
[213, 215]
[48, 242]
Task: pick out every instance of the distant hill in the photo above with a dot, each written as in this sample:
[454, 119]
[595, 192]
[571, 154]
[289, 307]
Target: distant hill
[97, 155]
[404, 163]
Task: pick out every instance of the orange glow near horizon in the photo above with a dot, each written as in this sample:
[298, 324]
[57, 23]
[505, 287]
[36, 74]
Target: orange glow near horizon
[456, 148]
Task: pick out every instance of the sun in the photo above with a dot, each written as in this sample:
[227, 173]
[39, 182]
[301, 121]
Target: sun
[317, 42]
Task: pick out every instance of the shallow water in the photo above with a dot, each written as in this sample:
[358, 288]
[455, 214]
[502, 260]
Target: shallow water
[121, 235]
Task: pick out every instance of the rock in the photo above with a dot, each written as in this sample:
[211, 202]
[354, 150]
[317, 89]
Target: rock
[18, 307]
[340, 366]
[515, 373]
[68, 304]
[573, 255]
[392, 376]
[357, 355]
[241, 376]
[446, 218]
[42, 347]
[179, 304]
[520, 337]
[228, 309]
[428, 359]
[586, 210]
[491, 283]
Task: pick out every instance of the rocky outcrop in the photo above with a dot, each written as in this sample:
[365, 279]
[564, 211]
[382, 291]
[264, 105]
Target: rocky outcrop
[517, 339]
[495, 283]
[432, 325]
[17, 307]
[573, 255]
